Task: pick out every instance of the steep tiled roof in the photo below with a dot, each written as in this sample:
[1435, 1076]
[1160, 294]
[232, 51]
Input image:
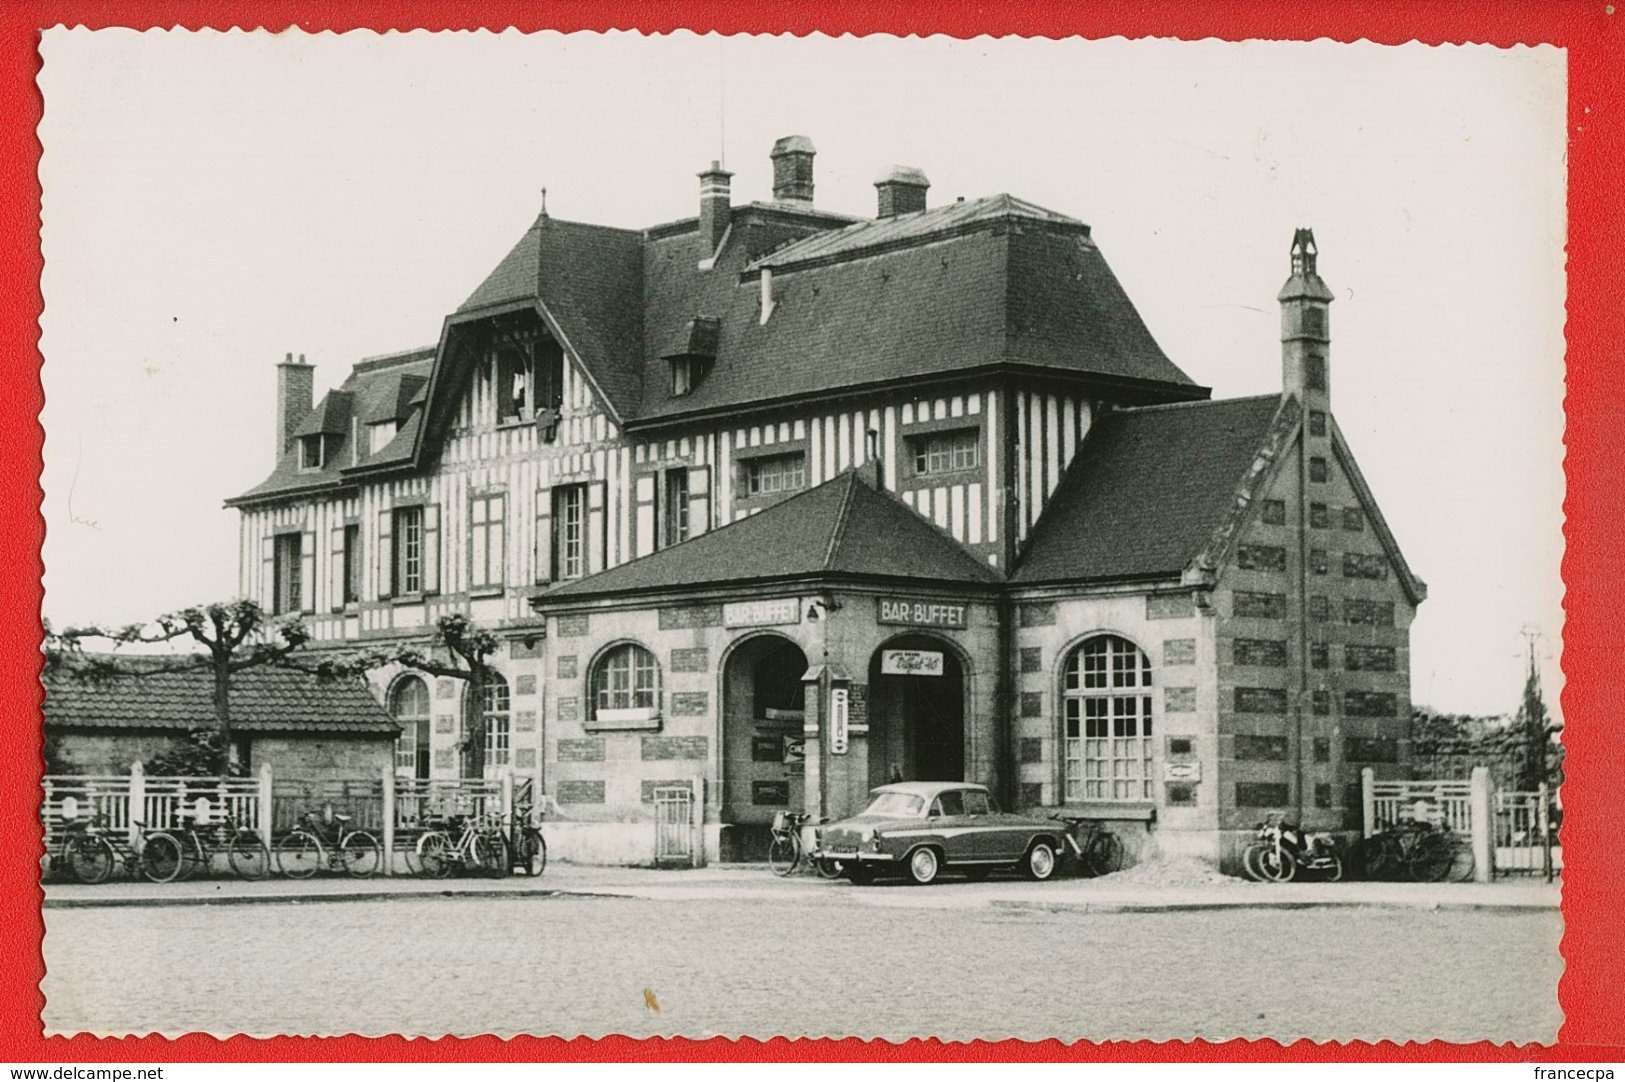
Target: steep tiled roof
[263, 700]
[590, 280]
[844, 527]
[1146, 491]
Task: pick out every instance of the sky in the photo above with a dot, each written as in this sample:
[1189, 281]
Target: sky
[214, 201]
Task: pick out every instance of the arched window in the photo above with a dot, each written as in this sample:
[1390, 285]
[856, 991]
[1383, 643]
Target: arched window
[409, 706]
[1106, 720]
[498, 720]
[626, 683]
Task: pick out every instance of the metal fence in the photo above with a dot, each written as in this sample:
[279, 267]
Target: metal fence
[1525, 842]
[362, 799]
[1440, 803]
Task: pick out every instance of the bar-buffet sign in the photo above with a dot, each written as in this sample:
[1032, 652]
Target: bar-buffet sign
[783, 610]
[921, 612]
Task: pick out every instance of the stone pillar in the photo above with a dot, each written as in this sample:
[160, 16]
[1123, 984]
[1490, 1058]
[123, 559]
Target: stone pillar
[812, 747]
[265, 819]
[389, 818]
[1483, 826]
[138, 804]
[1368, 802]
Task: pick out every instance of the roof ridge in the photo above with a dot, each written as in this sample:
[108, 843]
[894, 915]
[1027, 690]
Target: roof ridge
[1194, 403]
[841, 515]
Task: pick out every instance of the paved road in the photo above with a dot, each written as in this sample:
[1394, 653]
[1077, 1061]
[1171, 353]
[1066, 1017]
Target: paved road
[811, 965]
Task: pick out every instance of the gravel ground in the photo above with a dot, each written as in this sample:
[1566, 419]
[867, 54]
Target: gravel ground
[582, 966]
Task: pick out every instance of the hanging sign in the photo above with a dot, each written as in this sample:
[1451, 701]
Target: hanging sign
[783, 610]
[920, 612]
[911, 662]
[838, 712]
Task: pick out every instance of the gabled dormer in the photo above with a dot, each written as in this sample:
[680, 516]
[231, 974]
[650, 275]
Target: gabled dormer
[692, 352]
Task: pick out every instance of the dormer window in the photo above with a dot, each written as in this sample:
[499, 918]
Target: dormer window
[691, 352]
[311, 452]
[379, 435]
[513, 396]
[686, 373]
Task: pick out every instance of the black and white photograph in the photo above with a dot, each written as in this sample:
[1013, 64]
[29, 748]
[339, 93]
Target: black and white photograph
[582, 534]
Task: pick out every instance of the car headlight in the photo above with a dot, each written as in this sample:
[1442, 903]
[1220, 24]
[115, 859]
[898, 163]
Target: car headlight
[867, 834]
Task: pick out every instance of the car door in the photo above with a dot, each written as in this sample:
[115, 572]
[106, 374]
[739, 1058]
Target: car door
[981, 826]
[946, 819]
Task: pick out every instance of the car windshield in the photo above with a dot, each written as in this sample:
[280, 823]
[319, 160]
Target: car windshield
[896, 805]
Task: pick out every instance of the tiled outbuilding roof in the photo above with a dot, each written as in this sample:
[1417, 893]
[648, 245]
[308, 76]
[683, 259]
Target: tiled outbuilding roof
[843, 528]
[1147, 490]
[263, 700]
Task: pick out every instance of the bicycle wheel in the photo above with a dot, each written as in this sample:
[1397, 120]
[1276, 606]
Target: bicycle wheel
[1462, 862]
[90, 858]
[1277, 864]
[436, 854]
[162, 857]
[1333, 872]
[491, 855]
[1104, 855]
[1249, 862]
[1374, 858]
[827, 868]
[1431, 859]
[248, 857]
[784, 854]
[532, 857]
[361, 854]
[300, 855]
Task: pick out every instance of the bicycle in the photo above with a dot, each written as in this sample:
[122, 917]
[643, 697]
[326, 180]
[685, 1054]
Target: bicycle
[785, 853]
[526, 844]
[1282, 850]
[247, 856]
[83, 853]
[478, 847]
[1099, 852]
[308, 848]
[1428, 853]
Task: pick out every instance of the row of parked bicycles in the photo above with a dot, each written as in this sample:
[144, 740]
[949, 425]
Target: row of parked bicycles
[1416, 849]
[89, 851]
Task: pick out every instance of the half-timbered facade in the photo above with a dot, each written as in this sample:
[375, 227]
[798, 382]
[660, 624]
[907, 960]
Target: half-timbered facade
[607, 397]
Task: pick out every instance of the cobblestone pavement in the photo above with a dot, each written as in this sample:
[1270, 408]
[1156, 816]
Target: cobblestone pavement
[802, 962]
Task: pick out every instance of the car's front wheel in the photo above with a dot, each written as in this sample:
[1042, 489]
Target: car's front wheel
[1039, 863]
[923, 866]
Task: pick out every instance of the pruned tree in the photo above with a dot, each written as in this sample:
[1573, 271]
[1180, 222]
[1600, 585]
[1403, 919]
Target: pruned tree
[1535, 734]
[464, 654]
[233, 635]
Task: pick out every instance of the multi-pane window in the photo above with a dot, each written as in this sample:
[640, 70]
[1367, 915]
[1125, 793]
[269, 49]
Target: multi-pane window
[486, 551]
[409, 705]
[288, 556]
[498, 720]
[408, 534]
[676, 517]
[626, 678]
[570, 531]
[1317, 469]
[945, 452]
[774, 473]
[352, 564]
[1106, 697]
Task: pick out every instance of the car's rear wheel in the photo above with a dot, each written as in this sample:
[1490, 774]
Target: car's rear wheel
[1039, 863]
[923, 866]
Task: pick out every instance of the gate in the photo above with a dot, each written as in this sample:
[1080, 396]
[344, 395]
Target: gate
[1523, 834]
[675, 828]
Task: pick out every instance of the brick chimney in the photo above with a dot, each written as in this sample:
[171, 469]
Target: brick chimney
[901, 190]
[793, 169]
[715, 202]
[295, 395]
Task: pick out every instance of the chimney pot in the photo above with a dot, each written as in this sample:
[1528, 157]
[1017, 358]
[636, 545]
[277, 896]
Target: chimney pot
[793, 169]
[901, 190]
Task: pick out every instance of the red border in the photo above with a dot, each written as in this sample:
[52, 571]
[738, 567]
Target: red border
[1595, 39]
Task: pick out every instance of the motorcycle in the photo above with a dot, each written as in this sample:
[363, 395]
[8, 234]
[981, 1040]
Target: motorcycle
[1282, 850]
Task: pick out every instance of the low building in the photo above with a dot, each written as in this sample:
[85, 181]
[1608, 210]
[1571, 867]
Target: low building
[785, 504]
[304, 728]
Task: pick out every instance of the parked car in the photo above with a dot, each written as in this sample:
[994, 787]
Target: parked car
[918, 829]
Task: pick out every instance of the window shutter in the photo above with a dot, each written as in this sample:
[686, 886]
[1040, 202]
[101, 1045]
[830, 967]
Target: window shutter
[699, 500]
[268, 573]
[497, 523]
[386, 556]
[597, 536]
[307, 571]
[335, 572]
[645, 520]
[431, 548]
[544, 535]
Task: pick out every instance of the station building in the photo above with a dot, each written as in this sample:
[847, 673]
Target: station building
[794, 504]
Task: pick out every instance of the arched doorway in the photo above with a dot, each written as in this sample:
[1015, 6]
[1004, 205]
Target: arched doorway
[916, 722]
[763, 703]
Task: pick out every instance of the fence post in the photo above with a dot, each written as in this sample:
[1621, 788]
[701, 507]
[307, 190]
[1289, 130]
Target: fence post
[389, 818]
[138, 802]
[1368, 801]
[696, 821]
[1544, 823]
[1483, 820]
[505, 791]
[265, 816]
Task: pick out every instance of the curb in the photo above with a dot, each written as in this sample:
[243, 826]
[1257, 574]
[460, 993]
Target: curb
[159, 902]
[1260, 903]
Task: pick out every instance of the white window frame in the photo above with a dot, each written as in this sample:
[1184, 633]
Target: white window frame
[626, 684]
[955, 451]
[773, 475]
[674, 491]
[487, 549]
[1107, 718]
[288, 569]
[319, 442]
[407, 532]
[569, 532]
[498, 713]
[406, 747]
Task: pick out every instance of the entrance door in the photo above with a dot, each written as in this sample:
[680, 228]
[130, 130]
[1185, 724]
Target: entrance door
[762, 719]
[916, 722]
